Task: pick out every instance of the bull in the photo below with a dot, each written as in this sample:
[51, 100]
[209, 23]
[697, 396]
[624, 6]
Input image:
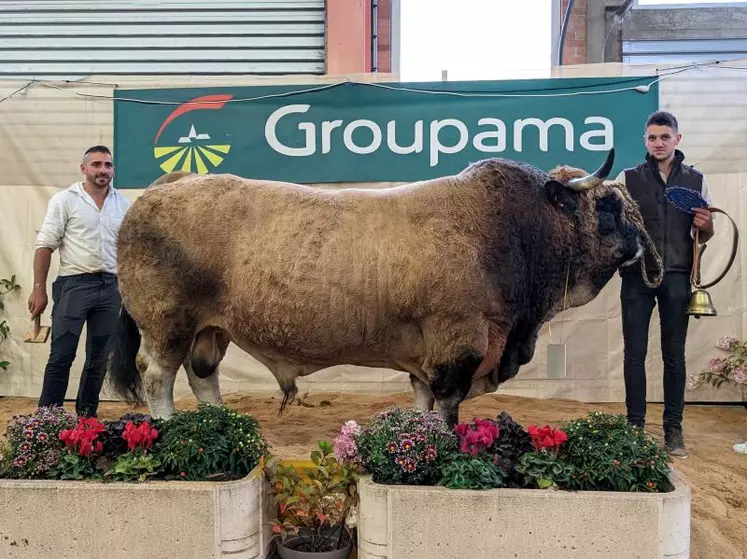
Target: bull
[448, 280]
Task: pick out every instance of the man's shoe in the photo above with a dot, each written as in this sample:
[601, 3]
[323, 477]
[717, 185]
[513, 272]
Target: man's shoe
[674, 443]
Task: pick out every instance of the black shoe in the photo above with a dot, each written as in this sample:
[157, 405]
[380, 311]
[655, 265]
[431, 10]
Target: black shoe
[675, 443]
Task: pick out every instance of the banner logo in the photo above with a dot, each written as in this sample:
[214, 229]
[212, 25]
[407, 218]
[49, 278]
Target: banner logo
[194, 152]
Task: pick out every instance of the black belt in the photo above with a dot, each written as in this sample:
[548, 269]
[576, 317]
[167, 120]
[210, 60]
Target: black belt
[93, 275]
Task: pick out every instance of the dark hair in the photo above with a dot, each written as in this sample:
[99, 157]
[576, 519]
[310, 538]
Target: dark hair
[97, 149]
[662, 118]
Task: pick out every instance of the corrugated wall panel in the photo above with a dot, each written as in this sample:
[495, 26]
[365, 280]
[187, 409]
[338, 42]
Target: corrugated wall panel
[682, 50]
[68, 40]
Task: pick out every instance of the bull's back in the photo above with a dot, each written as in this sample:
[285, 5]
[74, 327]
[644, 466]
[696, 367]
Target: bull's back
[273, 262]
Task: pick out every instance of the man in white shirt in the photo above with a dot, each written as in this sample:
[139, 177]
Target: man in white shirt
[82, 221]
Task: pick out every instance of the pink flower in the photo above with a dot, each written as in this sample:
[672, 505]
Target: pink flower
[694, 381]
[716, 365]
[346, 444]
[739, 375]
[727, 343]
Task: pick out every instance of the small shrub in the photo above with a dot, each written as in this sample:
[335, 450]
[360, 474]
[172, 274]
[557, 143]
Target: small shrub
[314, 505]
[33, 443]
[405, 446]
[609, 454]
[213, 442]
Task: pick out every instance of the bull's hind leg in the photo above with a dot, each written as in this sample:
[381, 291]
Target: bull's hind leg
[158, 370]
[205, 389]
[201, 365]
[456, 349]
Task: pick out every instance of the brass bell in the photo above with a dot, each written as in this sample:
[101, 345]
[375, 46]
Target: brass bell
[700, 300]
[701, 304]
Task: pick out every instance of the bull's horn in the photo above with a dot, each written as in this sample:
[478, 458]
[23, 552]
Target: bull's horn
[596, 178]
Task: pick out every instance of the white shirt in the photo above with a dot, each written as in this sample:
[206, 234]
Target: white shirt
[85, 235]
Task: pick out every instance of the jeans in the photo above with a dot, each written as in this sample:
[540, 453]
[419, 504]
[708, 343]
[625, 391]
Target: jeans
[85, 298]
[638, 301]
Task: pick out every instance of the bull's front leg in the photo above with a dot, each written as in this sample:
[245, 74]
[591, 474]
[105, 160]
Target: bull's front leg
[423, 396]
[455, 351]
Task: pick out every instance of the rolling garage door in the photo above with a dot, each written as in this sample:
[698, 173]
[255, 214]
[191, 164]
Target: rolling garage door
[63, 39]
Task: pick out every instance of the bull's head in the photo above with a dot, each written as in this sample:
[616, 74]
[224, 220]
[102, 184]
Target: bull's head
[607, 225]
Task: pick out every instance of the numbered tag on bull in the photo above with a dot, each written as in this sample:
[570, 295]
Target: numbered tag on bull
[684, 199]
[556, 361]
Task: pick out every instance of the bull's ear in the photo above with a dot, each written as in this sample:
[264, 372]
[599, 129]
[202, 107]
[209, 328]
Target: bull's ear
[561, 196]
[553, 189]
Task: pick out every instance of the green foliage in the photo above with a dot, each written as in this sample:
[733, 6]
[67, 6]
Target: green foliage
[74, 466]
[6, 286]
[464, 471]
[603, 453]
[542, 470]
[213, 442]
[133, 466]
[405, 446]
[315, 504]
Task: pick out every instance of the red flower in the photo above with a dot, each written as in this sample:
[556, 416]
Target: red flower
[81, 439]
[546, 437]
[477, 436]
[142, 436]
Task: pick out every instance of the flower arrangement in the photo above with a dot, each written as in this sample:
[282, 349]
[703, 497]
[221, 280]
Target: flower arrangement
[213, 442]
[731, 369]
[405, 446]
[32, 442]
[601, 452]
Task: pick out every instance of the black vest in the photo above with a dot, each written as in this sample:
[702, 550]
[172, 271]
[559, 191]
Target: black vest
[668, 227]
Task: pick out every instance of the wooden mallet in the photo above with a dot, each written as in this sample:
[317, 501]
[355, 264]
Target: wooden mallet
[36, 334]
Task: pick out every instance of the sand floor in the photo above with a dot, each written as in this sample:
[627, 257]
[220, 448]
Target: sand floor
[716, 474]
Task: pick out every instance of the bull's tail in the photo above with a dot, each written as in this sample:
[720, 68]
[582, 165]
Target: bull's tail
[123, 374]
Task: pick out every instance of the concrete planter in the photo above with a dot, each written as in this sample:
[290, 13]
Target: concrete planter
[40, 519]
[401, 521]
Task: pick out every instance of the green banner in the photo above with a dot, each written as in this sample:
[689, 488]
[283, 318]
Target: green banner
[357, 132]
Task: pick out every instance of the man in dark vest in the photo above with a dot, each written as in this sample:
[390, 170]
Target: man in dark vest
[672, 230]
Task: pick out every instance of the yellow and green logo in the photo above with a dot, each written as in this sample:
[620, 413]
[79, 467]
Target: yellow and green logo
[194, 151]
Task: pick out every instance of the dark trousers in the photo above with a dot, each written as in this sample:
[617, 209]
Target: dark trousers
[638, 302]
[86, 298]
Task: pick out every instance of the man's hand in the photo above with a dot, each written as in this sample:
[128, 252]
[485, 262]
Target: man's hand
[703, 220]
[38, 302]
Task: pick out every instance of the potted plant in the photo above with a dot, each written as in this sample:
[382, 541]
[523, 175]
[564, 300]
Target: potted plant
[313, 507]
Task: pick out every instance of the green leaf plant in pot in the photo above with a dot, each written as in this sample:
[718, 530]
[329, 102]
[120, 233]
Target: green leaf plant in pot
[313, 507]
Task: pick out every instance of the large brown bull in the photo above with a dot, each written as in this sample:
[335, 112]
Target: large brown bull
[448, 280]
